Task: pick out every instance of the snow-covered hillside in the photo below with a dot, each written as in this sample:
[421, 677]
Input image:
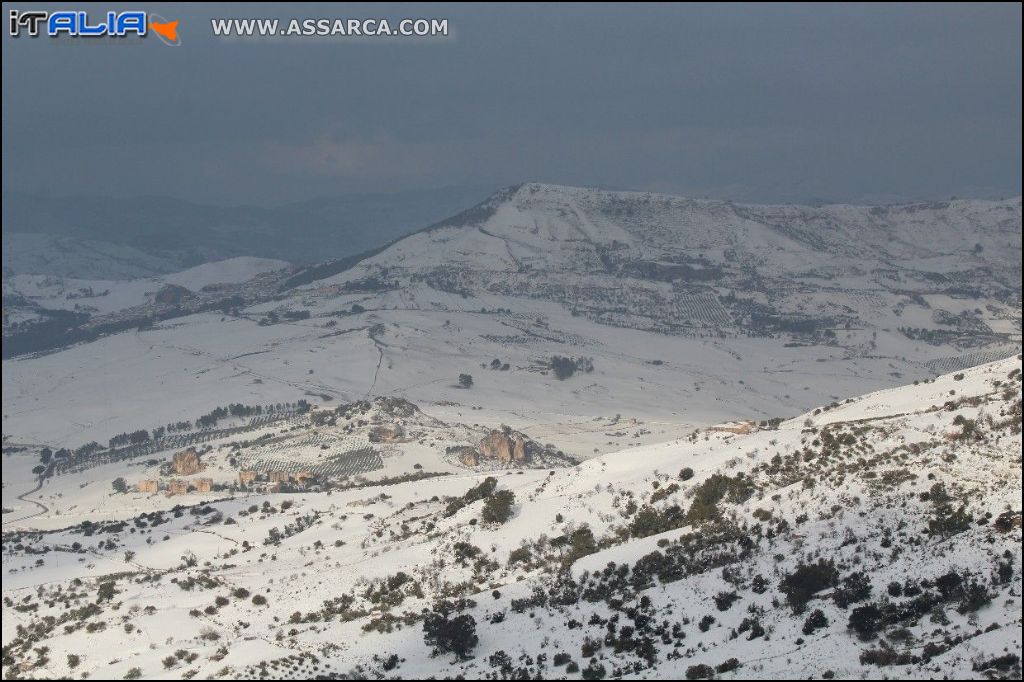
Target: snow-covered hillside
[535, 217]
[695, 267]
[877, 536]
[685, 312]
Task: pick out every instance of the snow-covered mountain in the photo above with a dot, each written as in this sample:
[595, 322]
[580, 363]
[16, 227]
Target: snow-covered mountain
[695, 267]
[877, 537]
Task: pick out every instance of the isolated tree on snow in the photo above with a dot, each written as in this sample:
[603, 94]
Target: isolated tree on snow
[498, 507]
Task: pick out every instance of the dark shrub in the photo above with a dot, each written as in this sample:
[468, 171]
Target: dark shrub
[498, 507]
[727, 666]
[974, 596]
[759, 585]
[700, 672]
[713, 490]
[815, 621]
[594, 671]
[581, 544]
[807, 580]
[650, 521]
[854, 588]
[450, 635]
[723, 600]
[866, 621]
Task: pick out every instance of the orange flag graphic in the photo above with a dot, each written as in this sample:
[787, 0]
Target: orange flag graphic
[168, 29]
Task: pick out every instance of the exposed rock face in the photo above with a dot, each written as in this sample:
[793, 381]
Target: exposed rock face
[469, 457]
[186, 462]
[506, 448]
[519, 450]
[466, 454]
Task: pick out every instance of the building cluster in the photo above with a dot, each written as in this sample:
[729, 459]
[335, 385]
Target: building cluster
[189, 462]
[175, 486]
[185, 463]
[737, 427]
[273, 481]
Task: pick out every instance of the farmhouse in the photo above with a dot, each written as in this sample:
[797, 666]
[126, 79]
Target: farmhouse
[739, 428]
[177, 487]
[148, 486]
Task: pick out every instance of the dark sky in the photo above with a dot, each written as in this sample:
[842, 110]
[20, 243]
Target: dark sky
[754, 103]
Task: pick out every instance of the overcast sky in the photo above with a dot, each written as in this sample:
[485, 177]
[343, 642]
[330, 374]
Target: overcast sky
[753, 103]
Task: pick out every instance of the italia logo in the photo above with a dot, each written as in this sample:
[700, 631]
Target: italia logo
[78, 24]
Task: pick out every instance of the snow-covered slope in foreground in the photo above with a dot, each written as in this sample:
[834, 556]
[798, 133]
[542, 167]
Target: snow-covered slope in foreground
[877, 537]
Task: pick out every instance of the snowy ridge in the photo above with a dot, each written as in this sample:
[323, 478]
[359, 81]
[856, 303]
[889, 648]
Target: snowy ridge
[533, 217]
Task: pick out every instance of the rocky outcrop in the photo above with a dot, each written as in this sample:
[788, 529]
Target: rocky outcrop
[186, 462]
[467, 455]
[504, 447]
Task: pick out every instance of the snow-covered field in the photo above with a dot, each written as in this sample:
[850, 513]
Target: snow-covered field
[186, 367]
